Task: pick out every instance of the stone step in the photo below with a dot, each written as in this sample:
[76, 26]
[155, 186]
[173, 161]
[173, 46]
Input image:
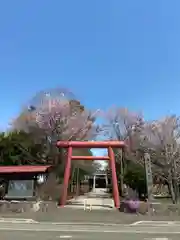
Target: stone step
[79, 206]
[92, 201]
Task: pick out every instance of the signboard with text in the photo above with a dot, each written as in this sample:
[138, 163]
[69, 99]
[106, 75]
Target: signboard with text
[20, 189]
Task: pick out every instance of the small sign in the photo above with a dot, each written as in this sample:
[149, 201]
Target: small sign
[20, 189]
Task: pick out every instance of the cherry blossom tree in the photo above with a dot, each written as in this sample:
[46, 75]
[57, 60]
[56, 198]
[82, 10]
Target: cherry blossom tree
[53, 118]
[65, 120]
[124, 125]
[162, 140]
[57, 117]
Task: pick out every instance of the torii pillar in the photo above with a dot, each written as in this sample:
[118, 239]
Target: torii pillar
[76, 144]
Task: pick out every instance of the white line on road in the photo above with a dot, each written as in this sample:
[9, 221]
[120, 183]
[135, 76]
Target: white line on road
[126, 231]
[21, 220]
[69, 228]
[66, 237]
[17, 220]
[157, 239]
[136, 223]
[83, 223]
[156, 223]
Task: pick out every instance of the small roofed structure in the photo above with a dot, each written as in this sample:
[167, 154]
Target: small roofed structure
[21, 182]
[99, 179]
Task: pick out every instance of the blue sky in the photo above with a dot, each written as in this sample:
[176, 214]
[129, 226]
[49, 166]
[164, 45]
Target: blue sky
[108, 52]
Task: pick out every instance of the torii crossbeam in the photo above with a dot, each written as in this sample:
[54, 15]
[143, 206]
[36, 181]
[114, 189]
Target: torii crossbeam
[109, 145]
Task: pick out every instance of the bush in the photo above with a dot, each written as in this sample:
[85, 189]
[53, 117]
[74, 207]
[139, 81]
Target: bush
[132, 205]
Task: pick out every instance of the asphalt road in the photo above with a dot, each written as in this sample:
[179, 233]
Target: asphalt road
[88, 231]
[79, 215]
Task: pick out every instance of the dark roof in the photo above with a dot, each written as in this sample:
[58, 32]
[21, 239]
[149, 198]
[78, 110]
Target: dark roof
[24, 169]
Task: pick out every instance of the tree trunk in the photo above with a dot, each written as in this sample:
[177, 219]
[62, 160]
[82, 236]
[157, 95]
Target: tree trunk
[173, 184]
[122, 184]
[171, 191]
[176, 190]
[122, 174]
[175, 180]
[72, 180]
[77, 182]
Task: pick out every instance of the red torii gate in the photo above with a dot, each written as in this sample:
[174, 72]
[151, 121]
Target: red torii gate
[77, 144]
